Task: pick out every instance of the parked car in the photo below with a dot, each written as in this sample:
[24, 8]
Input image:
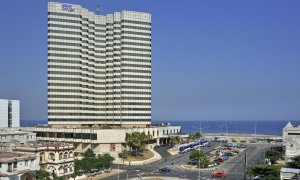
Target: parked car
[219, 160]
[165, 170]
[224, 157]
[193, 162]
[215, 161]
[219, 174]
[213, 164]
[242, 146]
[256, 178]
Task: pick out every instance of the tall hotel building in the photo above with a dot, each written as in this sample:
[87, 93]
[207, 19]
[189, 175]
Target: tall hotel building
[99, 67]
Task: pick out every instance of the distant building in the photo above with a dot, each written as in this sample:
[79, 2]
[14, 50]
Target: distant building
[53, 157]
[9, 113]
[17, 166]
[99, 67]
[291, 140]
[11, 137]
[289, 174]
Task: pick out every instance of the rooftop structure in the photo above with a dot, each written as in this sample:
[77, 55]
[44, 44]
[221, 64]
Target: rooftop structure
[291, 140]
[11, 137]
[289, 174]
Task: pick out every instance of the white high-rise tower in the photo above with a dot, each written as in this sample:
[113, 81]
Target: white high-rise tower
[99, 67]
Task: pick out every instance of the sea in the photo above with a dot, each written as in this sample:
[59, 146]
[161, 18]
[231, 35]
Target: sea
[220, 126]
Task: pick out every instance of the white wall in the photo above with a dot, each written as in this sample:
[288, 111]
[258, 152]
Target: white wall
[15, 113]
[3, 113]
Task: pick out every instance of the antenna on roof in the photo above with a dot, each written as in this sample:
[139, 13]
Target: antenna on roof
[98, 9]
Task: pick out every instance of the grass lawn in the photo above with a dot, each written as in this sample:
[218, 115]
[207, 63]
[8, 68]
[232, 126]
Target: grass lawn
[146, 155]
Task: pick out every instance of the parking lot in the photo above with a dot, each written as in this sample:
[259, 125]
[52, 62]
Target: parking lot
[234, 166]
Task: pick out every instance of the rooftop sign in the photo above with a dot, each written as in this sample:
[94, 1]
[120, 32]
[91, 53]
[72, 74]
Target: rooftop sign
[67, 7]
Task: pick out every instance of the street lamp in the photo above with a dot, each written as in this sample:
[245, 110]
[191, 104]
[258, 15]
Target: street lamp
[200, 131]
[136, 170]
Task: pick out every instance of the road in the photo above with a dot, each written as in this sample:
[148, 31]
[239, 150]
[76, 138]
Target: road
[234, 166]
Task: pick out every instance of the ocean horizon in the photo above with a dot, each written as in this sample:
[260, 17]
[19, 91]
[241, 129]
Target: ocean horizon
[272, 127]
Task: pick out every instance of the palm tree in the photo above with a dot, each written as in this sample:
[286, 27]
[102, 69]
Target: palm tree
[129, 140]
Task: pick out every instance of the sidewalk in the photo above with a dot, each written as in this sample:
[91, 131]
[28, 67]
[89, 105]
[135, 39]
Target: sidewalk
[156, 157]
[100, 176]
[158, 178]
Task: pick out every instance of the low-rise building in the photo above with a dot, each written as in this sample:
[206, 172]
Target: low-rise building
[289, 174]
[12, 137]
[15, 165]
[291, 141]
[55, 158]
[102, 140]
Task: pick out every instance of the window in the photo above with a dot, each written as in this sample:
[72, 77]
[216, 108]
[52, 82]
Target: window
[15, 164]
[26, 163]
[9, 167]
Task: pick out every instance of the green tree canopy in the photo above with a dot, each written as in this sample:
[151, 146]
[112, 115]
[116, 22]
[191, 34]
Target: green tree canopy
[295, 163]
[91, 163]
[42, 175]
[202, 158]
[266, 172]
[274, 155]
[174, 140]
[137, 140]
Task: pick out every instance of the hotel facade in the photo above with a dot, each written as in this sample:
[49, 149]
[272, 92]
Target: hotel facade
[99, 67]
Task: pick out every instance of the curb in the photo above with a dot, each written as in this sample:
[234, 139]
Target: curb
[197, 169]
[156, 157]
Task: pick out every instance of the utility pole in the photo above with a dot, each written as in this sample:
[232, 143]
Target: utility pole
[226, 129]
[200, 130]
[245, 167]
[118, 171]
[255, 130]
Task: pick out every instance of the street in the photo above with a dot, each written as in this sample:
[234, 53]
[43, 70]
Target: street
[234, 166]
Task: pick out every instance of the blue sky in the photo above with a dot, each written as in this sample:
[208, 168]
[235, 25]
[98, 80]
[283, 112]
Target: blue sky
[212, 60]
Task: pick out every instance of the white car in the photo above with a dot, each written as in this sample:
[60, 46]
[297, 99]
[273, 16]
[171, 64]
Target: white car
[212, 165]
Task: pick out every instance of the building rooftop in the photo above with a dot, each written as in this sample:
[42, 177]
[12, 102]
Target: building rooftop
[290, 170]
[46, 144]
[290, 125]
[8, 156]
[12, 131]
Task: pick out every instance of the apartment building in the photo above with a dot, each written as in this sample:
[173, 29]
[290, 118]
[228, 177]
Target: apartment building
[9, 113]
[99, 67]
[53, 157]
[17, 166]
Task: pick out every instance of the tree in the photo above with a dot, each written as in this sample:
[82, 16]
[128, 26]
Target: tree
[137, 141]
[265, 172]
[104, 161]
[274, 155]
[124, 154]
[202, 158]
[295, 163]
[174, 140]
[89, 153]
[189, 138]
[42, 175]
[77, 169]
[197, 136]
[91, 163]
